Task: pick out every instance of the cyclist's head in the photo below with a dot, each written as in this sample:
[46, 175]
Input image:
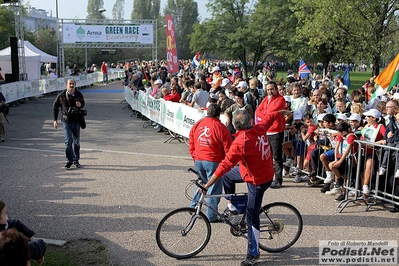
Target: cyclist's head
[213, 110]
[241, 120]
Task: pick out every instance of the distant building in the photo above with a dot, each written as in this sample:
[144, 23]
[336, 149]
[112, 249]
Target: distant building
[38, 18]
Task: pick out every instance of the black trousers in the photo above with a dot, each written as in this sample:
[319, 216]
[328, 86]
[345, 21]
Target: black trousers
[276, 143]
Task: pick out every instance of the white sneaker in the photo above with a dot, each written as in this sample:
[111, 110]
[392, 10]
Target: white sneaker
[297, 179]
[334, 191]
[366, 189]
[382, 171]
[286, 173]
[295, 172]
[305, 178]
[289, 162]
[351, 193]
[397, 173]
[330, 177]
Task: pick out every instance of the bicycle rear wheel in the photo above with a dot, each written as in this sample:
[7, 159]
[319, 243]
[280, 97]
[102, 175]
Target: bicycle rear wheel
[280, 226]
[182, 234]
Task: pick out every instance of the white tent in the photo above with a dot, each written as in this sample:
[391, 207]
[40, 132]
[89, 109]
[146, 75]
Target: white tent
[33, 58]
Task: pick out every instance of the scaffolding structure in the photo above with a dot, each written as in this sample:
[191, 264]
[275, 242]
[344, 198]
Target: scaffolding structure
[62, 45]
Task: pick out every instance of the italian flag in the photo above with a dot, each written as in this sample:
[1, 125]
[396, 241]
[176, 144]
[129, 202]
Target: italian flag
[387, 78]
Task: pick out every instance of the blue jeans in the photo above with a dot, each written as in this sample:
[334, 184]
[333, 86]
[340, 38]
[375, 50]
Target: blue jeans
[105, 78]
[254, 203]
[255, 195]
[71, 139]
[206, 170]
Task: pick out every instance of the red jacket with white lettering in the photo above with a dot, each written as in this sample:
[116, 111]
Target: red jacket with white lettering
[276, 103]
[209, 140]
[252, 150]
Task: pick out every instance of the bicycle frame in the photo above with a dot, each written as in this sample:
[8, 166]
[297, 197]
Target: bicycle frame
[202, 202]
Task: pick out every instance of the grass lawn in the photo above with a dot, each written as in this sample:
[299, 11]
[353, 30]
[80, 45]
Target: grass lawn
[357, 78]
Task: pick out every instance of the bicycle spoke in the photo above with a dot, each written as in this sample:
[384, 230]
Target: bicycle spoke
[281, 226]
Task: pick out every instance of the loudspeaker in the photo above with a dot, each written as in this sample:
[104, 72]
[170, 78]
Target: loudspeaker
[9, 77]
[14, 57]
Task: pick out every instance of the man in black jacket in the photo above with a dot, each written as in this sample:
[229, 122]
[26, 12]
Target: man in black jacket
[70, 101]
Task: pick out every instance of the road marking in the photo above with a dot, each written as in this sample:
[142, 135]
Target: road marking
[98, 150]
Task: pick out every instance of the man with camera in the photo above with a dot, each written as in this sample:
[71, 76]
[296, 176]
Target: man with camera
[70, 101]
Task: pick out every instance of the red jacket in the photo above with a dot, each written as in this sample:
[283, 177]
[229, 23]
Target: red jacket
[266, 107]
[172, 97]
[209, 140]
[251, 149]
[104, 69]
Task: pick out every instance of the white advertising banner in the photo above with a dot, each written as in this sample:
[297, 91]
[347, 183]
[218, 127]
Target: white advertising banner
[124, 33]
[176, 117]
[24, 89]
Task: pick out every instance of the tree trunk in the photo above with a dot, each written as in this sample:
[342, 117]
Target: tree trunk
[376, 65]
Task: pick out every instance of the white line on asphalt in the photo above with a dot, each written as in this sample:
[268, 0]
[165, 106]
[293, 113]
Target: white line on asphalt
[97, 150]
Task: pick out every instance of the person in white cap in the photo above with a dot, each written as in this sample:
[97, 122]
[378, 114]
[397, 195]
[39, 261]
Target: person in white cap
[248, 98]
[226, 85]
[355, 123]
[373, 132]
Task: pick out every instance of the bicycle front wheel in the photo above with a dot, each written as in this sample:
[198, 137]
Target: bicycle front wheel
[280, 226]
[182, 234]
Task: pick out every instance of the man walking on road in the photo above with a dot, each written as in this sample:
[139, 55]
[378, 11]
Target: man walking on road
[209, 142]
[104, 70]
[70, 101]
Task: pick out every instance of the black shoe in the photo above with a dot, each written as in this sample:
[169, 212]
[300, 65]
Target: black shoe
[249, 261]
[77, 164]
[313, 174]
[340, 198]
[394, 209]
[227, 212]
[325, 188]
[68, 166]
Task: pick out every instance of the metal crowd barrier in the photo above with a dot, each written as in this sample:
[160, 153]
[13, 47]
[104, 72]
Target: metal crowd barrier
[383, 189]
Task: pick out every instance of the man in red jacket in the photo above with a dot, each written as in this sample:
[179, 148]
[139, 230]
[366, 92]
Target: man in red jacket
[275, 133]
[252, 151]
[209, 141]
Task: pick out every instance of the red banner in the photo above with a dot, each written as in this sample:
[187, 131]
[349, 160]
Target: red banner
[171, 46]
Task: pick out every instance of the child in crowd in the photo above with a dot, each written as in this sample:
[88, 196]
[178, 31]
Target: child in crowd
[37, 247]
[324, 152]
[373, 132]
[308, 135]
[295, 146]
[343, 157]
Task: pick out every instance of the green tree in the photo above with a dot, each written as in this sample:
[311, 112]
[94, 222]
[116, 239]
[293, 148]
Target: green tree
[7, 29]
[348, 29]
[118, 10]
[225, 32]
[93, 7]
[46, 40]
[145, 9]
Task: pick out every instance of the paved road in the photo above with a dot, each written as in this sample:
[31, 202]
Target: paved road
[131, 179]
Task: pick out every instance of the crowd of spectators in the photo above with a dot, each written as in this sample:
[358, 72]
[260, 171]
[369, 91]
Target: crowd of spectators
[325, 115]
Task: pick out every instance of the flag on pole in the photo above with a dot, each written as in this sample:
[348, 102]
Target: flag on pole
[303, 69]
[347, 78]
[196, 60]
[387, 78]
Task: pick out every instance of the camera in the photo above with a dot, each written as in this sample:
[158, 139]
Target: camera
[72, 111]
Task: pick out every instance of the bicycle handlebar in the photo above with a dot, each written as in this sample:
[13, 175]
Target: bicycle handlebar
[198, 180]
